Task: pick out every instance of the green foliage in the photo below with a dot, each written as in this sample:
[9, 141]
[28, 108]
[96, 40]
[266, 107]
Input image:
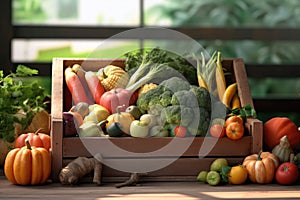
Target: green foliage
[232, 13]
[143, 61]
[18, 96]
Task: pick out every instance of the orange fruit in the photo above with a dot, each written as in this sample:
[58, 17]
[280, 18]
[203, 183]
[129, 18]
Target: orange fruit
[238, 175]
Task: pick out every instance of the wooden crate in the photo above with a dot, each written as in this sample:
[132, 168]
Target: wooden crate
[184, 168]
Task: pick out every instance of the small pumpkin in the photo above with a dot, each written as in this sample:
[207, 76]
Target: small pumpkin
[36, 139]
[28, 165]
[113, 77]
[115, 97]
[283, 150]
[261, 167]
[277, 127]
[124, 118]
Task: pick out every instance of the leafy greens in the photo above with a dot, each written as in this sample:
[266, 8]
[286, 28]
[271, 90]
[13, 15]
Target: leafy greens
[19, 100]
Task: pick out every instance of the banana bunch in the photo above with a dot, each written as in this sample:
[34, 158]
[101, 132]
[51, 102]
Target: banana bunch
[230, 98]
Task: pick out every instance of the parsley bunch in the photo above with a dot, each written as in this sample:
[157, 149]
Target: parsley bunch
[18, 96]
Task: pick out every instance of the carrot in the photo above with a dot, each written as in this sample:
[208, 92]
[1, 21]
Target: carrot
[77, 69]
[94, 85]
[75, 87]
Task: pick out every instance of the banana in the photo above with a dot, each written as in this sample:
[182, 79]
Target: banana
[228, 94]
[220, 77]
[235, 103]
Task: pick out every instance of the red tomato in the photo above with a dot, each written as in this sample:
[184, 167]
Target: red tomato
[287, 173]
[180, 131]
[117, 97]
[234, 118]
[235, 130]
[217, 130]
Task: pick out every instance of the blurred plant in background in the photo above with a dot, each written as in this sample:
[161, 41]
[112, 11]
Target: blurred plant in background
[28, 10]
[235, 14]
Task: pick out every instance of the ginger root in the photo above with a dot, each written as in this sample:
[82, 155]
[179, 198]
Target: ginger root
[133, 180]
[78, 168]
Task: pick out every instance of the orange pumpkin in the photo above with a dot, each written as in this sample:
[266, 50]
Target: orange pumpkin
[261, 167]
[28, 165]
[276, 128]
[36, 139]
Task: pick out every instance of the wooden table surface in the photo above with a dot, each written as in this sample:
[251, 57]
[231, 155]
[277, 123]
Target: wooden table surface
[147, 190]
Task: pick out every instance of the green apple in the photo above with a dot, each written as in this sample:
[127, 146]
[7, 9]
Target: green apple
[213, 178]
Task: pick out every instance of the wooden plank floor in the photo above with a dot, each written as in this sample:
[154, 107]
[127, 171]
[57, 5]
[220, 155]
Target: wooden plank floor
[147, 190]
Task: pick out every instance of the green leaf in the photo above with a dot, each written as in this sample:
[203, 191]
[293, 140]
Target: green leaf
[23, 71]
[224, 173]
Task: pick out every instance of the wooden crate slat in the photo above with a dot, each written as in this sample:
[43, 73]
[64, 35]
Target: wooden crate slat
[73, 147]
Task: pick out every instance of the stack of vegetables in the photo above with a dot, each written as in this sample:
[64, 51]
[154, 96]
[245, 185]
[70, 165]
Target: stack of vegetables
[160, 87]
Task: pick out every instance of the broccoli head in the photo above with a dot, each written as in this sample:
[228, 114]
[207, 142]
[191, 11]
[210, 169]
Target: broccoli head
[165, 98]
[203, 97]
[200, 123]
[177, 115]
[184, 98]
[149, 98]
[175, 84]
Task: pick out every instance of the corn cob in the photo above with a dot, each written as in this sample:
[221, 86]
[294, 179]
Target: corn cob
[113, 77]
[205, 70]
[220, 77]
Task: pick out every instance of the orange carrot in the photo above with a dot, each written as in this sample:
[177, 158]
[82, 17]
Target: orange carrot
[74, 85]
[81, 75]
[94, 85]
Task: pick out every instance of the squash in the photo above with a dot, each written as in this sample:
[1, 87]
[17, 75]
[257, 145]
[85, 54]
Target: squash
[40, 120]
[145, 88]
[277, 127]
[113, 77]
[124, 118]
[283, 150]
[28, 165]
[36, 139]
[261, 167]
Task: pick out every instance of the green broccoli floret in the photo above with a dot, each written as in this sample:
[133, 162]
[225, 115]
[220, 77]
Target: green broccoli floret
[184, 98]
[177, 115]
[165, 98]
[200, 123]
[149, 98]
[175, 84]
[203, 96]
